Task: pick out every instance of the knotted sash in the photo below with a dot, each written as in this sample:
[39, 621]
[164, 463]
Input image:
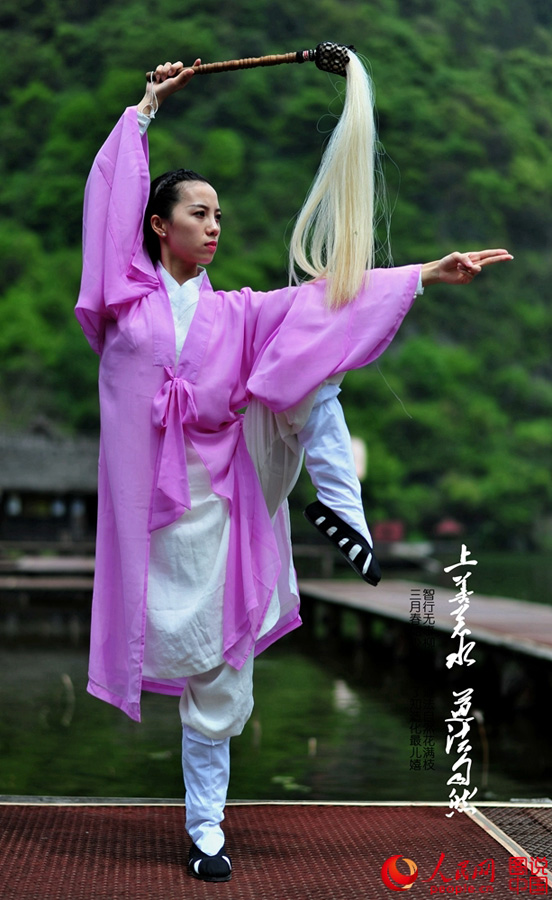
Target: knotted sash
[173, 408]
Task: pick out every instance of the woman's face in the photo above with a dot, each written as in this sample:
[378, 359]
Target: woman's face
[190, 236]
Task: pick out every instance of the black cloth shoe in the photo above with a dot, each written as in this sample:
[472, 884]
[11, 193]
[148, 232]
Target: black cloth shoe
[209, 868]
[358, 552]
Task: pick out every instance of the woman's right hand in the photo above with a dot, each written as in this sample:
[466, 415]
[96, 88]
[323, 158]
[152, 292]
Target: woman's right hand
[166, 79]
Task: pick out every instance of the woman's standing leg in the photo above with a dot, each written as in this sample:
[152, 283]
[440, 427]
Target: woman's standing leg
[214, 707]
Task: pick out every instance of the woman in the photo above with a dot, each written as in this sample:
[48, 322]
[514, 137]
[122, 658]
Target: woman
[193, 573]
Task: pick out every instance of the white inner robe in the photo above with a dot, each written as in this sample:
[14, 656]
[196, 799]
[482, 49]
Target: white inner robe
[187, 565]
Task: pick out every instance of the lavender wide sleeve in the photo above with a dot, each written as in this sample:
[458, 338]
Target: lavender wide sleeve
[313, 343]
[116, 268]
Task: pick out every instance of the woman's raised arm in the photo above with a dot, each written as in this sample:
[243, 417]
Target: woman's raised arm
[167, 79]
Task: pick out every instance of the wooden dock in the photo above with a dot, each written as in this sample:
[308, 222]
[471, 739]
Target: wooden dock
[511, 624]
[27, 575]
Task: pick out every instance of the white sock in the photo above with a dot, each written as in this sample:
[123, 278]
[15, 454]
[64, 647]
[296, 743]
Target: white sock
[206, 768]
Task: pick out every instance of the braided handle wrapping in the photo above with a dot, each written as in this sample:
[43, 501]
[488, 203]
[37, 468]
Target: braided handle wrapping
[328, 56]
[249, 63]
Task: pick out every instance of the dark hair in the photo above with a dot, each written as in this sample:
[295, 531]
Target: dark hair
[164, 195]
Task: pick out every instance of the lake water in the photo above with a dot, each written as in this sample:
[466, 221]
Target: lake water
[332, 721]
[319, 732]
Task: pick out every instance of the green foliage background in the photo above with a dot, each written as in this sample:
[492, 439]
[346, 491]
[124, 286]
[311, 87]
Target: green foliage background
[465, 113]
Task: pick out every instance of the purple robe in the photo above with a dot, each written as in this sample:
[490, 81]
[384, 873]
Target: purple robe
[278, 346]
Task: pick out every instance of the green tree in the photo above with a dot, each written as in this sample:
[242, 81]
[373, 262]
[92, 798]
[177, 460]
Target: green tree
[463, 96]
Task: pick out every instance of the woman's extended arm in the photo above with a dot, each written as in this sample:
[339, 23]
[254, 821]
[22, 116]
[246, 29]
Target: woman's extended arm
[461, 268]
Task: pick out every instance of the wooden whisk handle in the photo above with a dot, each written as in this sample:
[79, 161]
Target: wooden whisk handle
[327, 56]
[249, 63]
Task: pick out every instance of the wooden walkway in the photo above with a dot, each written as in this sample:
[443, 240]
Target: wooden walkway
[28, 575]
[514, 624]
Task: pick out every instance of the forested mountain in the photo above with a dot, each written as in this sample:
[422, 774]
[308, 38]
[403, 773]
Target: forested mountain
[464, 99]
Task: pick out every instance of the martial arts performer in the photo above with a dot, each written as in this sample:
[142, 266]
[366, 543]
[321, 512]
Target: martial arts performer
[194, 574]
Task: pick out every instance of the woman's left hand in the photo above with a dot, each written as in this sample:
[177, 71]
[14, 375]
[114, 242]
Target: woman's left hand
[461, 268]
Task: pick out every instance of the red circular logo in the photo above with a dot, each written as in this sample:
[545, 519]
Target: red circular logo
[395, 880]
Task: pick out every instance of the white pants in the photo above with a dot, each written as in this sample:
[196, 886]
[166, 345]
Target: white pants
[218, 703]
[329, 459]
[317, 427]
[214, 707]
